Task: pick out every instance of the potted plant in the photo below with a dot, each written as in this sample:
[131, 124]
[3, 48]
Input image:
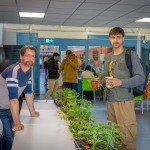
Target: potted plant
[88, 133]
[94, 83]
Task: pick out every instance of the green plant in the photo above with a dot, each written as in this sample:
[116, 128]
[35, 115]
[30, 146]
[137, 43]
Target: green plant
[79, 114]
[99, 135]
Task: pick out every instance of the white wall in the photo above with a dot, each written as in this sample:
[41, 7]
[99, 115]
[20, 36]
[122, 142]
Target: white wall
[9, 38]
[1, 34]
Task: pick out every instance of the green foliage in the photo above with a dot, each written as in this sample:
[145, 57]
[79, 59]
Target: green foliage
[79, 114]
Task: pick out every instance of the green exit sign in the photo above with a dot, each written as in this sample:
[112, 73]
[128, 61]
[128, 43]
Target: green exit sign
[49, 41]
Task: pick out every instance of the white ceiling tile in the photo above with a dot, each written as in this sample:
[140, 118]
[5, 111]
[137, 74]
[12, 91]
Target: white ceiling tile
[8, 8]
[102, 1]
[60, 21]
[9, 19]
[76, 21]
[97, 22]
[81, 17]
[31, 20]
[124, 18]
[60, 11]
[78, 12]
[51, 23]
[52, 20]
[72, 24]
[144, 9]
[102, 18]
[124, 7]
[146, 26]
[94, 6]
[32, 9]
[8, 2]
[133, 2]
[56, 16]
[34, 3]
[69, 0]
[9, 14]
[117, 23]
[87, 12]
[56, 4]
[136, 24]
[137, 15]
[113, 13]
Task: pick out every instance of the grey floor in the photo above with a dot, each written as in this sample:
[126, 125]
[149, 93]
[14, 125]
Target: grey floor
[100, 113]
[143, 121]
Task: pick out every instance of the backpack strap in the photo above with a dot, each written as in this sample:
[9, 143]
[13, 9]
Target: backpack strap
[129, 63]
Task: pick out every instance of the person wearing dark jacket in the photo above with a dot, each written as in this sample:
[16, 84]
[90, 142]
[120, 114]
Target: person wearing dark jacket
[53, 75]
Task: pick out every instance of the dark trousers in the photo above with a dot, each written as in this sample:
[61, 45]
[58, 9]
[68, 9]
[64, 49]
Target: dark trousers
[72, 86]
[8, 134]
[6, 118]
[88, 95]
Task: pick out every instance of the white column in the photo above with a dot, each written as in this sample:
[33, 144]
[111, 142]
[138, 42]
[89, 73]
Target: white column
[139, 45]
[1, 34]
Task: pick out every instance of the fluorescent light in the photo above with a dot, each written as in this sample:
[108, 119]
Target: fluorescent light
[144, 20]
[31, 15]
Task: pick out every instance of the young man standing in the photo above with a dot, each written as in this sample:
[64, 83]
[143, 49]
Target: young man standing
[120, 103]
[14, 80]
[53, 75]
[70, 67]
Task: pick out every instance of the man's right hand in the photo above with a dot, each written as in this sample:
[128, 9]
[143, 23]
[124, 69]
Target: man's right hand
[18, 127]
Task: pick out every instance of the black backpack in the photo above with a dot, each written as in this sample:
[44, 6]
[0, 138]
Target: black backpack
[139, 90]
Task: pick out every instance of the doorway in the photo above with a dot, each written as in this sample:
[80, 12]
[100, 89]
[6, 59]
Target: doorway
[46, 52]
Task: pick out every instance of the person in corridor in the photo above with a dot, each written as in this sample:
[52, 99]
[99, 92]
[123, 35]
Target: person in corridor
[120, 103]
[53, 75]
[45, 68]
[70, 67]
[14, 80]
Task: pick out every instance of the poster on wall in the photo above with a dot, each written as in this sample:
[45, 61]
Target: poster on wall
[47, 50]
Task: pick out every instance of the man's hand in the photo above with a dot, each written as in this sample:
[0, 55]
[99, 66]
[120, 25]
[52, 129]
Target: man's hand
[114, 82]
[35, 114]
[18, 127]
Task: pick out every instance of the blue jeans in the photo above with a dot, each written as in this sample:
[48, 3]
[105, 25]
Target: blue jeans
[72, 86]
[8, 134]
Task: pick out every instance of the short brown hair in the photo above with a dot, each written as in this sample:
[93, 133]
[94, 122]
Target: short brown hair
[24, 48]
[116, 30]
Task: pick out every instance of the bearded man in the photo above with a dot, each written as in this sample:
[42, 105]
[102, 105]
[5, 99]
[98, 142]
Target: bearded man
[14, 80]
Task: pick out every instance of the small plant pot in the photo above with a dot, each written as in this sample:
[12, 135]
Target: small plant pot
[94, 85]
